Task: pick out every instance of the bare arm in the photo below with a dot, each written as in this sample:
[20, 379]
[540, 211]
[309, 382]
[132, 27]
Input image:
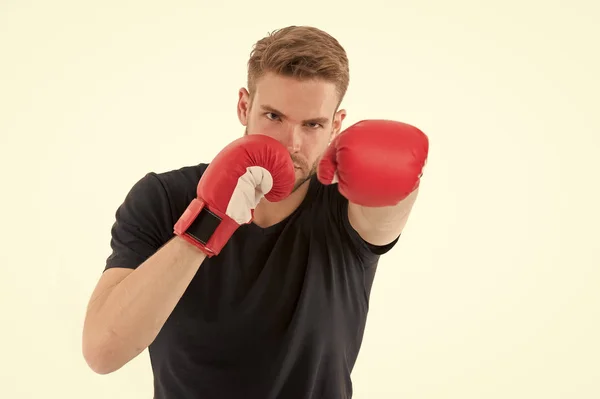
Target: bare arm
[380, 226]
[129, 307]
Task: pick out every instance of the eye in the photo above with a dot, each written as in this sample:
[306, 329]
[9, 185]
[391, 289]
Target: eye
[314, 125]
[272, 116]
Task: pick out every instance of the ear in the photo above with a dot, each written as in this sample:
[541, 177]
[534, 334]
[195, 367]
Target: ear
[243, 106]
[338, 119]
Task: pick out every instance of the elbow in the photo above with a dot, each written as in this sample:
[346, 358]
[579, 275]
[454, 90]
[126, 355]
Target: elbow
[98, 361]
[100, 358]
[100, 368]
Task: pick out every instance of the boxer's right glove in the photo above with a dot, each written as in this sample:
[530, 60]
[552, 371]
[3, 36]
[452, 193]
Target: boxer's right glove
[249, 168]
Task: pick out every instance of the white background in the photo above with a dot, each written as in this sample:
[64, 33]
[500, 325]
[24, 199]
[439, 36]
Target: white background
[493, 291]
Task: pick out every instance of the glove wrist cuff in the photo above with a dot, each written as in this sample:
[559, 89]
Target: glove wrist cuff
[207, 229]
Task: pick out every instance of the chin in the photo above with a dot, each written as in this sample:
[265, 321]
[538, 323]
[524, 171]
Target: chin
[301, 174]
[301, 178]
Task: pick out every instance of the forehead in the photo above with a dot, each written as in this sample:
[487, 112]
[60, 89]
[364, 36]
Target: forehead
[297, 98]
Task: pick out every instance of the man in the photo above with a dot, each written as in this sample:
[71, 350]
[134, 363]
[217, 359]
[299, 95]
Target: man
[250, 277]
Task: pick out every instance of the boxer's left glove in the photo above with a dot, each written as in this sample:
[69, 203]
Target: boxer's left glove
[235, 181]
[376, 163]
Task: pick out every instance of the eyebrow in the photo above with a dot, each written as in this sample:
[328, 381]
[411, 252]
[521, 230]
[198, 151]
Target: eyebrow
[321, 119]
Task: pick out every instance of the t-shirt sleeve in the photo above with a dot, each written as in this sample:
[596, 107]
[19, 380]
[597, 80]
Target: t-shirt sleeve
[143, 223]
[369, 253]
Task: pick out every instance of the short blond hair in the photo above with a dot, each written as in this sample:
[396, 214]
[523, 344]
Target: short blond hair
[302, 52]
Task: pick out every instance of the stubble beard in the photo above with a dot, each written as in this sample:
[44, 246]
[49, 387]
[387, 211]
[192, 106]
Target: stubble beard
[308, 172]
[307, 175]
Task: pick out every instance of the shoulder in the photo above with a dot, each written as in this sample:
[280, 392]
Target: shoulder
[182, 178]
[144, 220]
[169, 187]
[177, 186]
[334, 209]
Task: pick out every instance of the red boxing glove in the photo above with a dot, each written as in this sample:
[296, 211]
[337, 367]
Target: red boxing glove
[249, 168]
[375, 162]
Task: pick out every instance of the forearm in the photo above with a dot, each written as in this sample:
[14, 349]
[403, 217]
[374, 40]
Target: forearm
[124, 320]
[381, 225]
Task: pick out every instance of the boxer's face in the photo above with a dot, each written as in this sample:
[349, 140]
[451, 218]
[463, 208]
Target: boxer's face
[302, 115]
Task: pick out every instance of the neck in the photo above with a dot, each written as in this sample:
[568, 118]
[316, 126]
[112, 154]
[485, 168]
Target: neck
[269, 213]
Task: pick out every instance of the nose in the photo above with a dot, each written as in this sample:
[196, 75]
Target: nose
[292, 138]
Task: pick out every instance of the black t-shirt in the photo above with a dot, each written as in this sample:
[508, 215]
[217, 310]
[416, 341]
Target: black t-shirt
[279, 313]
